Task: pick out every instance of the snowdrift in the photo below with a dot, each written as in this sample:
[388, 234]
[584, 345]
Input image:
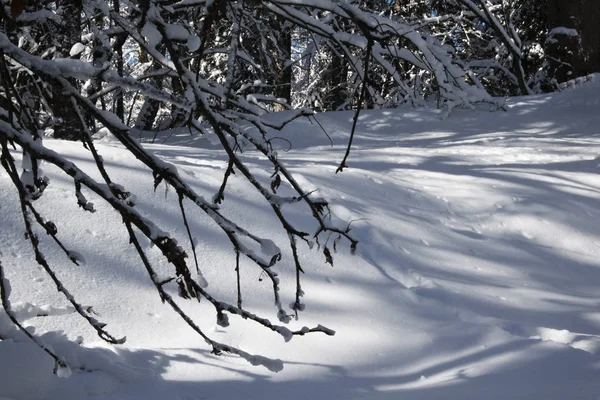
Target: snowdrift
[476, 275]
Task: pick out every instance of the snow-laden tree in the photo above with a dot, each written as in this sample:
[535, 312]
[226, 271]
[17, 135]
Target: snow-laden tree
[573, 41]
[214, 67]
[520, 46]
[382, 52]
[486, 36]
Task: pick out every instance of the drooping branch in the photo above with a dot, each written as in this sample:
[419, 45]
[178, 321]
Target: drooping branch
[361, 99]
[27, 207]
[221, 60]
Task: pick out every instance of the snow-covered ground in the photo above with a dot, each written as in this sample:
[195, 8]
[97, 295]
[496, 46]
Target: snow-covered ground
[477, 275]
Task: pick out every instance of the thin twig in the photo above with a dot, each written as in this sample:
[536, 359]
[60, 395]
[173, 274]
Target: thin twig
[361, 99]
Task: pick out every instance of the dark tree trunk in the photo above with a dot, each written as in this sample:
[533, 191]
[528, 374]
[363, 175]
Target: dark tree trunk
[336, 75]
[66, 124]
[147, 116]
[284, 73]
[570, 57]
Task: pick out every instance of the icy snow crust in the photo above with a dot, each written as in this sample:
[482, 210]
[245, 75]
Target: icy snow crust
[477, 273]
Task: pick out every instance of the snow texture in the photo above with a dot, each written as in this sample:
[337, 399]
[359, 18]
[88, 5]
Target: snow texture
[476, 274]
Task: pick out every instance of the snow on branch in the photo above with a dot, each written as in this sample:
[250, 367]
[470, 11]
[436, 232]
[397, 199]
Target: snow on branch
[212, 68]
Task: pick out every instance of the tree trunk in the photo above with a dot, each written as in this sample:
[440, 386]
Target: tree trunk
[147, 116]
[66, 123]
[284, 74]
[118, 48]
[336, 76]
[570, 57]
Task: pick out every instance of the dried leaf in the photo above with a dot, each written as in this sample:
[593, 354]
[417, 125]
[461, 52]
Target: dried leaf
[222, 319]
[51, 228]
[183, 293]
[335, 242]
[328, 257]
[320, 205]
[274, 259]
[157, 180]
[275, 183]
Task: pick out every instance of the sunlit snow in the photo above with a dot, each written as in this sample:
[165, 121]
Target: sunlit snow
[477, 274]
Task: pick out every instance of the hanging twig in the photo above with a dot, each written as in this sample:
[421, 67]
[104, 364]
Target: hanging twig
[361, 99]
